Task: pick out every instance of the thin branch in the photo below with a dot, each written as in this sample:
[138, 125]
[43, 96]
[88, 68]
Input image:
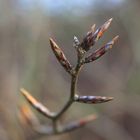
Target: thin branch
[67, 127]
[82, 47]
[74, 79]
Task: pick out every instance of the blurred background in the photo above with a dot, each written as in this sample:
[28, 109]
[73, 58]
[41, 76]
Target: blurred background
[26, 60]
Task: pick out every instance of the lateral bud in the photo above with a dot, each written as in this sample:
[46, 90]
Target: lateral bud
[76, 42]
[60, 56]
[79, 123]
[36, 104]
[92, 37]
[92, 99]
[100, 52]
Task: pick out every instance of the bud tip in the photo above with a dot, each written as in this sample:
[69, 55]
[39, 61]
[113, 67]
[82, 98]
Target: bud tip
[93, 27]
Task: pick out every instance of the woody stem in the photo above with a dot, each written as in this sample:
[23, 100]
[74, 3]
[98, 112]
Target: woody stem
[74, 79]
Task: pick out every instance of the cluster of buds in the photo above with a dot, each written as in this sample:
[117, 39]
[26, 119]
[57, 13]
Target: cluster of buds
[81, 47]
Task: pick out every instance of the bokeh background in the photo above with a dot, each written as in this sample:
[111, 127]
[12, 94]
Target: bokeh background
[26, 60]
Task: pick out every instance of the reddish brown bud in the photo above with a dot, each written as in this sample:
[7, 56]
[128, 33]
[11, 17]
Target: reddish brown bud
[92, 99]
[92, 37]
[60, 56]
[100, 52]
[79, 123]
[37, 105]
[99, 32]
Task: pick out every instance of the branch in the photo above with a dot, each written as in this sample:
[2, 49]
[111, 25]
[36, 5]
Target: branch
[74, 79]
[82, 47]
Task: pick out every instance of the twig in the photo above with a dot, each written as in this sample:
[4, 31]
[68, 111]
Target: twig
[88, 41]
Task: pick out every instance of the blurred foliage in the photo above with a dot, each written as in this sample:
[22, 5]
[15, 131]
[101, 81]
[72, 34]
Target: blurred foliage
[26, 60]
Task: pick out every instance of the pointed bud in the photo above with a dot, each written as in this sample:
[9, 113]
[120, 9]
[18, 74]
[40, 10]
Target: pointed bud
[88, 41]
[76, 42]
[37, 105]
[99, 32]
[79, 123]
[100, 52]
[91, 38]
[60, 56]
[93, 28]
[92, 99]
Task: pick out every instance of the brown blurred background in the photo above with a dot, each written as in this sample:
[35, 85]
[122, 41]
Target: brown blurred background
[26, 60]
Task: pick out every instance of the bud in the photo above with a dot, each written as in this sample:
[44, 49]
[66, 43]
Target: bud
[76, 42]
[37, 105]
[92, 37]
[99, 32]
[100, 52]
[60, 56]
[92, 99]
[79, 123]
[88, 39]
